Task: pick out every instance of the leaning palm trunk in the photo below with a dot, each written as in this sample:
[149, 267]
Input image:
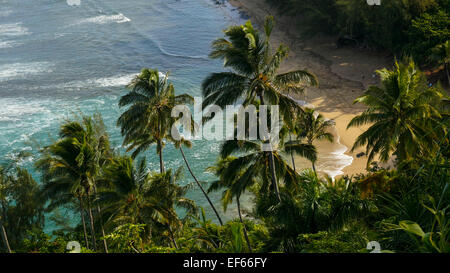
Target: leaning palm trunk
[83, 222]
[91, 220]
[200, 186]
[161, 161]
[271, 161]
[172, 236]
[242, 222]
[99, 211]
[5, 237]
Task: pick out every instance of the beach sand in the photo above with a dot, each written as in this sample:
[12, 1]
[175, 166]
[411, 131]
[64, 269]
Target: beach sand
[343, 73]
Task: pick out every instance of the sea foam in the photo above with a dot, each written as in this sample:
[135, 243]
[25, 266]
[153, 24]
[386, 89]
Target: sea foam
[14, 109]
[119, 80]
[21, 70]
[106, 19]
[14, 29]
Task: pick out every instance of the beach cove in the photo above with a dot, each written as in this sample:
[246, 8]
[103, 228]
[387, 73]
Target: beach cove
[343, 75]
[78, 59]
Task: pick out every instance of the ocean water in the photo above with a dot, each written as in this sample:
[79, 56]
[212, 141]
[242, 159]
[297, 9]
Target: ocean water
[60, 58]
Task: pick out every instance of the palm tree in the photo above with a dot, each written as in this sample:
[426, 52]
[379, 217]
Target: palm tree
[4, 186]
[255, 76]
[234, 187]
[314, 126]
[133, 195]
[441, 55]
[71, 165]
[63, 177]
[148, 119]
[255, 163]
[239, 174]
[93, 131]
[189, 144]
[400, 113]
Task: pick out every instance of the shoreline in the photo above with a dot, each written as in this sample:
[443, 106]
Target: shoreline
[343, 73]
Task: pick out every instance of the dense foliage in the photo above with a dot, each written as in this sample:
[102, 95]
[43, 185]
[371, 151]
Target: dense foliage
[404, 27]
[113, 202]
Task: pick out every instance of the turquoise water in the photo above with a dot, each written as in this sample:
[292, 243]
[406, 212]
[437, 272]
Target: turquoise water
[58, 60]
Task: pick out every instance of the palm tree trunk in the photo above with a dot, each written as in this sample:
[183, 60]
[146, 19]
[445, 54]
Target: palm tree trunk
[271, 161]
[161, 161]
[292, 154]
[91, 220]
[242, 222]
[200, 186]
[99, 211]
[172, 236]
[83, 222]
[5, 237]
[310, 142]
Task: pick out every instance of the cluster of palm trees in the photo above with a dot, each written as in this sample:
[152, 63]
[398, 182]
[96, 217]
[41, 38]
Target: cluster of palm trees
[111, 190]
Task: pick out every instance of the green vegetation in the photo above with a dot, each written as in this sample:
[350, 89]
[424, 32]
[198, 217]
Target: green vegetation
[403, 27]
[115, 201]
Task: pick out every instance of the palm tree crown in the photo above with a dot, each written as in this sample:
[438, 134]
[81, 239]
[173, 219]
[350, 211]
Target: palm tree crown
[148, 119]
[401, 113]
[255, 67]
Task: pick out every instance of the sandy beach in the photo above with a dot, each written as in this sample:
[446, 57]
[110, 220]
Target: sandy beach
[343, 73]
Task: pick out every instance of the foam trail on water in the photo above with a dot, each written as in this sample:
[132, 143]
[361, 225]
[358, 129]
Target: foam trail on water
[119, 80]
[21, 70]
[15, 109]
[106, 19]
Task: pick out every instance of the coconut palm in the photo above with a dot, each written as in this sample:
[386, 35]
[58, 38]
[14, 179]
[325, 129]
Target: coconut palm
[254, 75]
[93, 131]
[313, 126]
[71, 165]
[21, 208]
[148, 119]
[234, 187]
[238, 174]
[400, 114]
[253, 162]
[131, 194]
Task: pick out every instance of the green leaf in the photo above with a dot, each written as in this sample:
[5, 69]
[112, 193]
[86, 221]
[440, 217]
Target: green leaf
[412, 227]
